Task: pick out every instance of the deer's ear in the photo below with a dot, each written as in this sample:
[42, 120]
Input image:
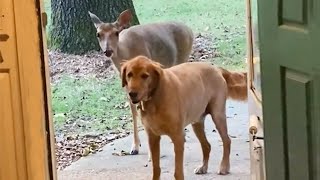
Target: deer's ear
[124, 19]
[96, 21]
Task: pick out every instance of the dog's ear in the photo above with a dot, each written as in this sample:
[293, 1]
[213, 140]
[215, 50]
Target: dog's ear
[123, 74]
[96, 21]
[124, 19]
[156, 74]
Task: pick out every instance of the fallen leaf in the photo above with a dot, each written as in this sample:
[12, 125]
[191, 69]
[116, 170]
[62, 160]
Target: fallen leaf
[121, 153]
[85, 152]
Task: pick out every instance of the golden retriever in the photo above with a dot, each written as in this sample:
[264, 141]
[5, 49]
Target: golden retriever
[172, 98]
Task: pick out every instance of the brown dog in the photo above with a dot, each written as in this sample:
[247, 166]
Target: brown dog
[175, 97]
[169, 43]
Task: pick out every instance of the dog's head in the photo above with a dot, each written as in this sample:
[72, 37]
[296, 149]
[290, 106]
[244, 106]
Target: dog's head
[108, 33]
[140, 77]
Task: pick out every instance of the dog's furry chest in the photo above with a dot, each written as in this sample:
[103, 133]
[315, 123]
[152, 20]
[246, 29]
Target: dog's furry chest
[158, 124]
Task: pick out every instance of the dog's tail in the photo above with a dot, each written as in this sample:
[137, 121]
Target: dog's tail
[237, 84]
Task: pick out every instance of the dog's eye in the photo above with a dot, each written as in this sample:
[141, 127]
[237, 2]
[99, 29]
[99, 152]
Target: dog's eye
[144, 76]
[98, 35]
[129, 75]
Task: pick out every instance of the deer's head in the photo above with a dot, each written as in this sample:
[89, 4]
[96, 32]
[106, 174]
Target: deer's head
[108, 33]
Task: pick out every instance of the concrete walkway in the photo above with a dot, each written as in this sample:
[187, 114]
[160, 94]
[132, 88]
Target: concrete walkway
[105, 166]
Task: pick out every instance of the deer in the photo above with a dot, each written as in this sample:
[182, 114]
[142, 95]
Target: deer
[168, 43]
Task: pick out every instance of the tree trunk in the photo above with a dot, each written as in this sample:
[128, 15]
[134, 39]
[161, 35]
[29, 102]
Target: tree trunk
[72, 30]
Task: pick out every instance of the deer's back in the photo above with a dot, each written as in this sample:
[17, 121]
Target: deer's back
[169, 43]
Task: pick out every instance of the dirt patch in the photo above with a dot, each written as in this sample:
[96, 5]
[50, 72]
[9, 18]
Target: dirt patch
[203, 49]
[91, 64]
[71, 148]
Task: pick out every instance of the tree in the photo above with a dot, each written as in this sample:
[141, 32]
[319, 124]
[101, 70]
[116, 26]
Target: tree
[72, 30]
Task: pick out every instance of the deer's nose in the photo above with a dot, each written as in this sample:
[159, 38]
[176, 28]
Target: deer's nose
[108, 52]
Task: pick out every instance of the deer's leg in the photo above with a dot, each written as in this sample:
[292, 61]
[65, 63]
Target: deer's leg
[136, 140]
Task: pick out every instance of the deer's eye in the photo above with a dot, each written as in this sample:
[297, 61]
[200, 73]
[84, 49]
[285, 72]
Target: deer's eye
[144, 76]
[98, 35]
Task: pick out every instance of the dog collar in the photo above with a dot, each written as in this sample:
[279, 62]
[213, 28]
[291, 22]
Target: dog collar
[141, 106]
[141, 103]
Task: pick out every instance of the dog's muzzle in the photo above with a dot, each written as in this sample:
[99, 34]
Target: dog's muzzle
[133, 97]
[135, 101]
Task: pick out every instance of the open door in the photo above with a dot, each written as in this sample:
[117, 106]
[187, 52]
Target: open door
[24, 135]
[289, 34]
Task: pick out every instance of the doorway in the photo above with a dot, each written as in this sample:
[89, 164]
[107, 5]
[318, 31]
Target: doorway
[89, 110]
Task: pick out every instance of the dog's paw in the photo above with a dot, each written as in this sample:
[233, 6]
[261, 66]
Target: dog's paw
[223, 172]
[224, 169]
[201, 170]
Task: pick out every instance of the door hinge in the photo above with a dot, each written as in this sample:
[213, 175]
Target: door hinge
[1, 59]
[254, 137]
[44, 18]
[253, 129]
[256, 148]
[4, 37]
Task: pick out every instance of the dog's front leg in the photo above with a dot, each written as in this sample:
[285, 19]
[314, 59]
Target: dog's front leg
[154, 146]
[178, 141]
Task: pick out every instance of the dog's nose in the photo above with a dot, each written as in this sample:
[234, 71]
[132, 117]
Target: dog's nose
[108, 52]
[133, 94]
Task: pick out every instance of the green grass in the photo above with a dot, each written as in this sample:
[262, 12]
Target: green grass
[97, 100]
[97, 104]
[224, 20]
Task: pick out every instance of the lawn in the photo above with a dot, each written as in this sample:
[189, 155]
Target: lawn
[224, 20]
[99, 104]
[90, 104]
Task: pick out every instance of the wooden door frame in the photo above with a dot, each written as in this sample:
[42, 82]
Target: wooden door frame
[35, 84]
[47, 93]
[251, 89]
[35, 89]
[254, 105]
